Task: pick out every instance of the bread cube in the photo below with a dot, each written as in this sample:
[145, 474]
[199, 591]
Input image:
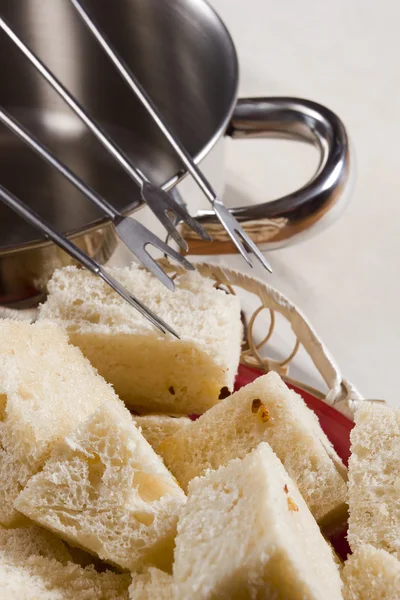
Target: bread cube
[156, 428]
[153, 584]
[46, 579]
[247, 533]
[265, 410]
[371, 574]
[374, 479]
[34, 565]
[47, 388]
[17, 583]
[150, 371]
[22, 542]
[106, 490]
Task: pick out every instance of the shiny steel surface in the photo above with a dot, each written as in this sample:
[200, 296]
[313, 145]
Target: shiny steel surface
[182, 54]
[26, 269]
[184, 57]
[81, 257]
[163, 202]
[299, 120]
[134, 235]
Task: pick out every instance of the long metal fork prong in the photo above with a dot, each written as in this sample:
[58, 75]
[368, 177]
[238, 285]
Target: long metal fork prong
[78, 109]
[127, 227]
[40, 149]
[135, 236]
[150, 239]
[94, 127]
[158, 206]
[235, 231]
[239, 237]
[144, 310]
[145, 99]
[89, 263]
[254, 249]
[151, 194]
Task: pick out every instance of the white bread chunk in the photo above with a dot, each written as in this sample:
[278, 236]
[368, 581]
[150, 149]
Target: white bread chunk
[35, 565]
[40, 578]
[152, 372]
[47, 388]
[374, 479]
[22, 542]
[152, 584]
[371, 574]
[264, 410]
[247, 533]
[17, 583]
[156, 428]
[106, 490]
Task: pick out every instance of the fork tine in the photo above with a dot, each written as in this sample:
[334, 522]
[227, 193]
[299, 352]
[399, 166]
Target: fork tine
[156, 201]
[133, 301]
[152, 266]
[129, 229]
[79, 255]
[230, 224]
[157, 243]
[132, 240]
[193, 224]
[155, 195]
[239, 237]
[254, 248]
[116, 152]
[224, 217]
[127, 74]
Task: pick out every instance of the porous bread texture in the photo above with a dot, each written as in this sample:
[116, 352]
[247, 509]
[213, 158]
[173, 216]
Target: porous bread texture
[150, 371]
[156, 428]
[17, 583]
[106, 490]
[371, 574]
[47, 387]
[40, 578]
[235, 426]
[247, 533]
[153, 584]
[20, 543]
[34, 565]
[374, 479]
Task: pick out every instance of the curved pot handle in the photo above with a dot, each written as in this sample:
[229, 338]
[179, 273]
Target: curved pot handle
[283, 221]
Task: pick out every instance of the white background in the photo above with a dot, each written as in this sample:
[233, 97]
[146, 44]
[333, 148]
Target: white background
[346, 55]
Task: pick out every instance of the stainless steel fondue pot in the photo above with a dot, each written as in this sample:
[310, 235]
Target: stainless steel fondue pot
[184, 56]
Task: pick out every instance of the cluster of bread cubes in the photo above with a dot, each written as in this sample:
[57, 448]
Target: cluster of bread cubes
[109, 491]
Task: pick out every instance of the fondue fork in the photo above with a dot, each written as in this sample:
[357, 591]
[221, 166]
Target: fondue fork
[239, 237]
[159, 201]
[89, 263]
[134, 235]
